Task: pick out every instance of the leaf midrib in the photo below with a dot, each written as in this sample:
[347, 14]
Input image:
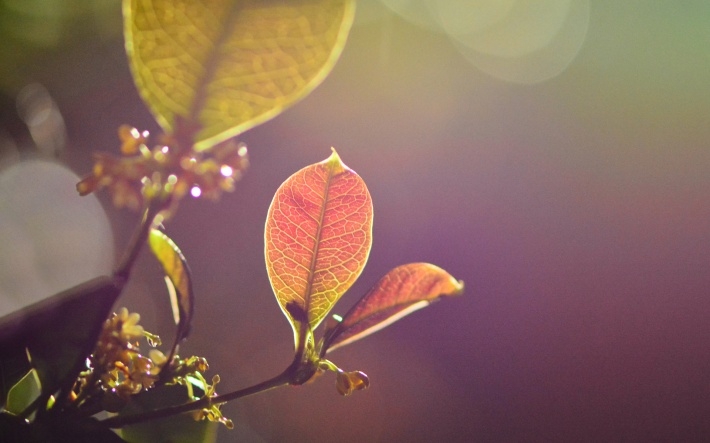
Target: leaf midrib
[307, 296]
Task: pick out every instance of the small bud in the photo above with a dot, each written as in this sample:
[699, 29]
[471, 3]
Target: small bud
[159, 359]
[87, 185]
[131, 139]
[348, 382]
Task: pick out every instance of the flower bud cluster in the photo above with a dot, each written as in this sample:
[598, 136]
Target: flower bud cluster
[213, 412]
[116, 369]
[169, 170]
[122, 370]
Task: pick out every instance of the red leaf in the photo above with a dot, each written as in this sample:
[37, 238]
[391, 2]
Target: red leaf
[400, 292]
[318, 236]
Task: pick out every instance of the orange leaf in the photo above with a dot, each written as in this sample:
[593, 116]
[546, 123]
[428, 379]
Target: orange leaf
[400, 292]
[318, 236]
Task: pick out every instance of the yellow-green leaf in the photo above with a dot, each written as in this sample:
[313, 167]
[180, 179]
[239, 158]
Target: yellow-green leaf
[317, 239]
[403, 290]
[23, 393]
[177, 278]
[225, 66]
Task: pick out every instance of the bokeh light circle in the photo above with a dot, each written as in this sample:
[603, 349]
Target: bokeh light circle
[52, 239]
[533, 62]
[519, 41]
[521, 28]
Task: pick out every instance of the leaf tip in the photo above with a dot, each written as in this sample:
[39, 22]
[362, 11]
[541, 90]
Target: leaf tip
[334, 162]
[458, 287]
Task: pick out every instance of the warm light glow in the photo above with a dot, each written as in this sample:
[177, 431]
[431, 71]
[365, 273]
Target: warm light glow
[527, 47]
[226, 170]
[463, 17]
[513, 40]
[195, 191]
[165, 150]
[525, 27]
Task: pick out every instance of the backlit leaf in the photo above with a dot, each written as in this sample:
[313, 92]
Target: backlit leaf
[23, 393]
[318, 236]
[178, 279]
[400, 292]
[228, 65]
[14, 365]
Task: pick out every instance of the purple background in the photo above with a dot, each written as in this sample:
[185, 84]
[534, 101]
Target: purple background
[576, 211]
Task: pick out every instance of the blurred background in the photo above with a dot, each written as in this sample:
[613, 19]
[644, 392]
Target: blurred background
[553, 154]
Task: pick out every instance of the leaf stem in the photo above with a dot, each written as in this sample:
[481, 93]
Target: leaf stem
[205, 402]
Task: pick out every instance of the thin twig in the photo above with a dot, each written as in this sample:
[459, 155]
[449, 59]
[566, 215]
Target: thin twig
[205, 402]
[139, 237]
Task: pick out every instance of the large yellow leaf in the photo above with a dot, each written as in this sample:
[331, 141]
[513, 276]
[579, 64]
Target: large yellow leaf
[229, 65]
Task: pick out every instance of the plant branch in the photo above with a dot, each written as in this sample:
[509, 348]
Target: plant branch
[205, 402]
[139, 238]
